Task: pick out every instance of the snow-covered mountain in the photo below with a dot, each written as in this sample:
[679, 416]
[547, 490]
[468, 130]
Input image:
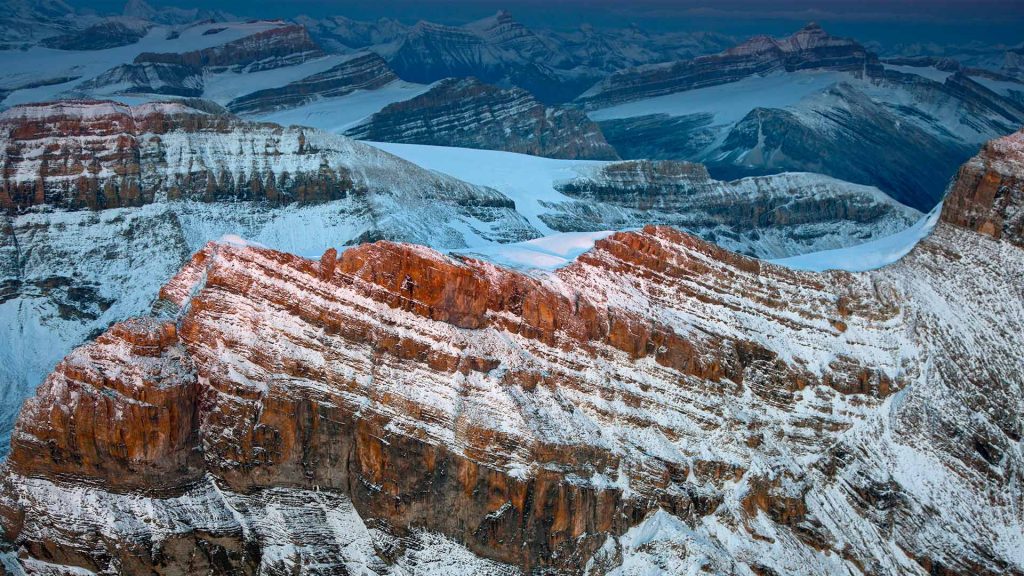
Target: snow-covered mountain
[661, 405]
[25, 22]
[554, 65]
[157, 182]
[104, 201]
[809, 102]
[768, 217]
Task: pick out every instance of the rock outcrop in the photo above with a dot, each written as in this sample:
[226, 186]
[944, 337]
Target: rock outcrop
[661, 402]
[988, 195]
[469, 114]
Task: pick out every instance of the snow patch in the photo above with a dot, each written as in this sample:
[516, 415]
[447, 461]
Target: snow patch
[870, 255]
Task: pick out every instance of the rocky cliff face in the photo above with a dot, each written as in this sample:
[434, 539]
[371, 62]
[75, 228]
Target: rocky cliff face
[100, 155]
[469, 114]
[987, 196]
[104, 202]
[809, 49]
[362, 72]
[661, 404]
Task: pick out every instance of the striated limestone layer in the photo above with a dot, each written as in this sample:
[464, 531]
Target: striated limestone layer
[275, 48]
[763, 216]
[661, 404]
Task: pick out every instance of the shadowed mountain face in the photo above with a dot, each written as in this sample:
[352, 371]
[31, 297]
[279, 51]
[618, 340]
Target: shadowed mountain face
[400, 403]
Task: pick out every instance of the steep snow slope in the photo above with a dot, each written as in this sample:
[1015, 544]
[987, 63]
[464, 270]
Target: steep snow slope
[869, 255]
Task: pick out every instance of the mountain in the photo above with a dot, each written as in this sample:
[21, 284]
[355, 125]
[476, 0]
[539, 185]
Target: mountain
[220, 60]
[809, 102]
[467, 113]
[764, 216]
[554, 65]
[769, 217]
[102, 200]
[659, 406]
[171, 15]
[108, 33]
[278, 47]
[341, 34]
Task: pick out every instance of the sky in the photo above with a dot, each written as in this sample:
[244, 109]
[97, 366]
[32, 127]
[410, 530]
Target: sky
[885, 21]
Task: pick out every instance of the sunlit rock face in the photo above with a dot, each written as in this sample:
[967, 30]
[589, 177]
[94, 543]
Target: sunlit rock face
[660, 402]
[102, 203]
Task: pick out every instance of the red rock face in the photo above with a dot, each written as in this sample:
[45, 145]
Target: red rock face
[123, 409]
[988, 194]
[258, 322]
[535, 420]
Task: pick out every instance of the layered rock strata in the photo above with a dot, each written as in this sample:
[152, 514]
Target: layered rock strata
[771, 421]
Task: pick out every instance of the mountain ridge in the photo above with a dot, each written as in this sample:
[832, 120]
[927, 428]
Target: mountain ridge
[404, 379]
